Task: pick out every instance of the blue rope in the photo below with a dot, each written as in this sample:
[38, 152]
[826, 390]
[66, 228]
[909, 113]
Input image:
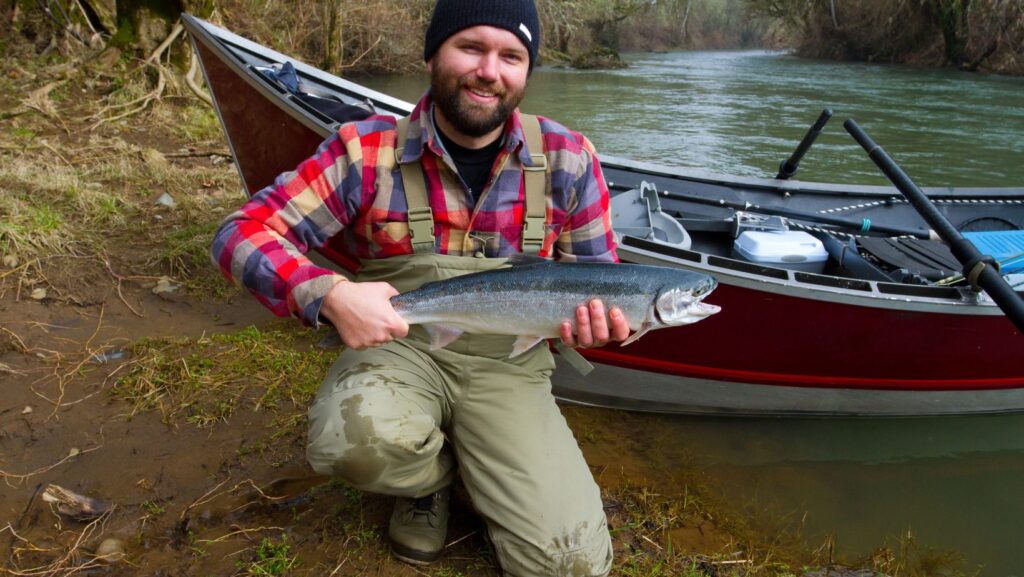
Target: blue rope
[865, 225]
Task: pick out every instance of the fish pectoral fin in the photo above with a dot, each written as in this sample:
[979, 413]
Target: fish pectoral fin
[524, 343]
[636, 336]
[441, 335]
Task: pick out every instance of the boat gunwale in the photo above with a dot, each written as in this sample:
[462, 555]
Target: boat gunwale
[796, 285]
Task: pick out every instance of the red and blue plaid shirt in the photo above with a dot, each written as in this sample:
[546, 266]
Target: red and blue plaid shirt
[348, 201]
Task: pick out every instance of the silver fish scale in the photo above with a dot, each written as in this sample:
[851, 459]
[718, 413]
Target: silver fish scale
[534, 299]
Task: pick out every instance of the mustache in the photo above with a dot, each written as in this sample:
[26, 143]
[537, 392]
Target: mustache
[493, 88]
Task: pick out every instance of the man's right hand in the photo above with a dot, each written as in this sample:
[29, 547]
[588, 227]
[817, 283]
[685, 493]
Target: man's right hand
[363, 315]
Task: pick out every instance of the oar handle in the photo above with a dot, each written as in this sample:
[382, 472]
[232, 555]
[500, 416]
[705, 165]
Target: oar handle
[789, 166]
[980, 269]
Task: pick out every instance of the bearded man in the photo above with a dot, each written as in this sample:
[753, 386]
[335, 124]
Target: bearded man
[460, 185]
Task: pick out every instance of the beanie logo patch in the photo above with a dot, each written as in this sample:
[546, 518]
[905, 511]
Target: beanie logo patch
[526, 32]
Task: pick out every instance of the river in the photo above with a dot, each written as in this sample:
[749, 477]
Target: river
[955, 483]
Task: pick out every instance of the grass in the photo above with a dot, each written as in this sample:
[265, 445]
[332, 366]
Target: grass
[272, 558]
[204, 381]
[153, 508]
[75, 192]
[185, 254]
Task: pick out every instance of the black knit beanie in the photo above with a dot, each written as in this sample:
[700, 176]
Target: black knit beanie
[517, 16]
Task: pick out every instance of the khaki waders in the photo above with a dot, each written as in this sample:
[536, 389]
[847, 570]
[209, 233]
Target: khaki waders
[382, 415]
[396, 419]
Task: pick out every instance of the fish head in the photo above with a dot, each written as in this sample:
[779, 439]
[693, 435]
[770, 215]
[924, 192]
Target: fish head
[681, 304]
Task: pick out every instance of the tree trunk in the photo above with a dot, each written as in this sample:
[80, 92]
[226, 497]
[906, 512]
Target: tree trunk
[333, 44]
[141, 24]
[686, 18]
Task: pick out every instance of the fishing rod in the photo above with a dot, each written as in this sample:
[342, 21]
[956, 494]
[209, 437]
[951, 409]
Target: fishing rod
[789, 166]
[862, 226]
[981, 270]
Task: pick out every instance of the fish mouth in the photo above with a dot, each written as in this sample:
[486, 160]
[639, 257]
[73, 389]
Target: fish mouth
[699, 310]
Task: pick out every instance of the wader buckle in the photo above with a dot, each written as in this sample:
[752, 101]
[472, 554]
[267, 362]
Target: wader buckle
[421, 226]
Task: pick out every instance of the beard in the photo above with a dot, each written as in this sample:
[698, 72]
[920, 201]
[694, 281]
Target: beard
[472, 118]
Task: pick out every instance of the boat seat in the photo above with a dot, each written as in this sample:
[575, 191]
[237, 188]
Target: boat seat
[906, 258]
[932, 260]
[637, 212]
[1006, 246]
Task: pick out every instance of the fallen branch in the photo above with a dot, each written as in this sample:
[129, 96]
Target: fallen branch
[198, 154]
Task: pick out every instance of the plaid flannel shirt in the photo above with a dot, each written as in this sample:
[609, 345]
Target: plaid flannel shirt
[348, 201]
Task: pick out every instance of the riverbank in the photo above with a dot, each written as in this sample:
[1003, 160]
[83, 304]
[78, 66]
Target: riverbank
[983, 35]
[136, 376]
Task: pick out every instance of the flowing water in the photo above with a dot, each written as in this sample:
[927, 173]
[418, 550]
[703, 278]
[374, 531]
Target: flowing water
[954, 483]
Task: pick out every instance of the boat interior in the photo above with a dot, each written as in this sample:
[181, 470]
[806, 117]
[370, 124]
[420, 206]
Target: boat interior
[768, 245]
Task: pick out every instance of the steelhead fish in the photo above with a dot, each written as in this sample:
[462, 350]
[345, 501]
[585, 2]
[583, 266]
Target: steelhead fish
[530, 298]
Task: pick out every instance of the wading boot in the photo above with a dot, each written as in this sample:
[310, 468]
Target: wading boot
[419, 527]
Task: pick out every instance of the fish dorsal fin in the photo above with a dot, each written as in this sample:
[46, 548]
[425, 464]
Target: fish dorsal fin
[521, 259]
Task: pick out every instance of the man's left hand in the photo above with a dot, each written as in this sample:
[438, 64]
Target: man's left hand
[594, 328]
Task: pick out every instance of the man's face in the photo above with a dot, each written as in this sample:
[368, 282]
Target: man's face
[477, 78]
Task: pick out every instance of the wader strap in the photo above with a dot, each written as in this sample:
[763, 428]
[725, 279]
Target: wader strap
[574, 359]
[535, 183]
[421, 218]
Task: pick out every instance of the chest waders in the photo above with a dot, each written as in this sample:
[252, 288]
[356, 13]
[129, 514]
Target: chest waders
[399, 419]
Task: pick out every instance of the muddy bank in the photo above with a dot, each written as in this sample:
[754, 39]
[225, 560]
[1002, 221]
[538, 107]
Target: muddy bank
[134, 375]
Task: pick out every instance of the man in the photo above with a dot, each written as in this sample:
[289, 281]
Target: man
[444, 193]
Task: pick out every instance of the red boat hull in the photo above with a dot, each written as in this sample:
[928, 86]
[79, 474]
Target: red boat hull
[766, 338]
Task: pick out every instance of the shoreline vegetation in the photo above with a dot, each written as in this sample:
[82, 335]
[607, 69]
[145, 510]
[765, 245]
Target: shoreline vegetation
[353, 36]
[133, 374]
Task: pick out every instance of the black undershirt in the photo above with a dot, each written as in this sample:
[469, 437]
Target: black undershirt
[474, 164]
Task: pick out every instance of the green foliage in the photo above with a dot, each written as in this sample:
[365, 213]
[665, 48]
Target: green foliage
[153, 509]
[203, 381]
[271, 559]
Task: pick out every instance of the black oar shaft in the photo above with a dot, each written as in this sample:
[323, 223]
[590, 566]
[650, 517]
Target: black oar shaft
[789, 166]
[969, 256]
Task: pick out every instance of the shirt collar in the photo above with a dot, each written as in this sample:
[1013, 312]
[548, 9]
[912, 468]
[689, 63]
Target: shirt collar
[423, 134]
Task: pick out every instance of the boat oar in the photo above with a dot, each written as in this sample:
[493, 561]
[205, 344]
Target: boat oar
[981, 270]
[789, 166]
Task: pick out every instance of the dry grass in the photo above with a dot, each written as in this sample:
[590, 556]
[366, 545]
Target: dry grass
[75, 195]
[203, 381]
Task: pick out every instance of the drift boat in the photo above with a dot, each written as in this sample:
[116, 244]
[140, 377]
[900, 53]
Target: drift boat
[834, 299]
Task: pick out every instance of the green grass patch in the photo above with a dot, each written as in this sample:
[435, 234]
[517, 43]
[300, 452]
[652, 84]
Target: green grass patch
[184, 253]
[22, 136]
[204, 381]
[271, 558]
[199, 124]
[28, 229]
